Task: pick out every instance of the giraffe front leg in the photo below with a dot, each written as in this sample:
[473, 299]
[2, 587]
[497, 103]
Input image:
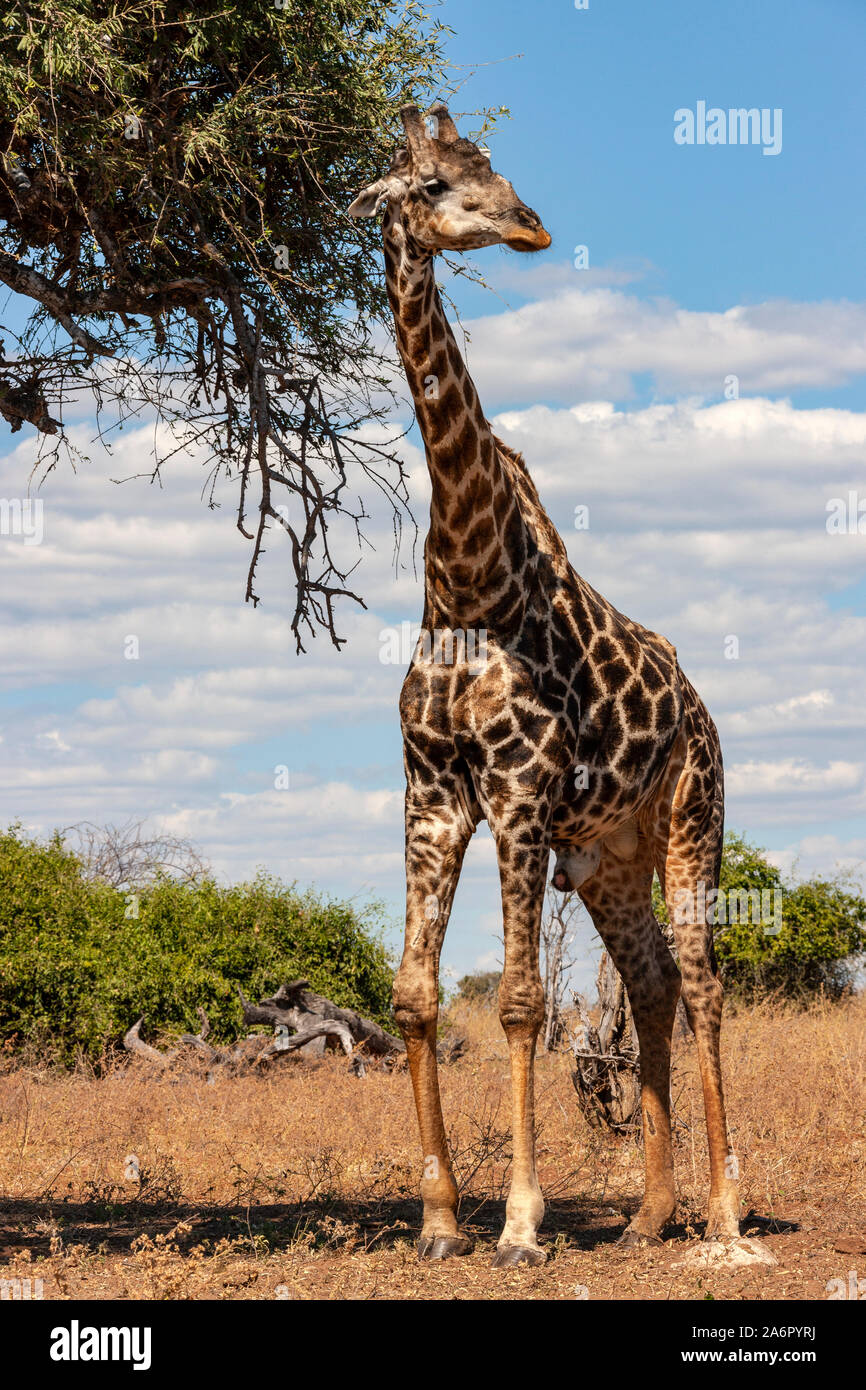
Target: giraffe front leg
[521, 1010]
[435, 844]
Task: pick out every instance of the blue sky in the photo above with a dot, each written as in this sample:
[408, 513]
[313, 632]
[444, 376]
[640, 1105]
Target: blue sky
[708, 515]
[593, 94]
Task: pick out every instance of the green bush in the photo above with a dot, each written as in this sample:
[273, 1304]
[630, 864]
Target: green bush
[787, 938]
[480, 987]
[77, 966]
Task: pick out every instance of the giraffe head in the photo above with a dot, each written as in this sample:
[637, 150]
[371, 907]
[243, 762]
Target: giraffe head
[447, 195]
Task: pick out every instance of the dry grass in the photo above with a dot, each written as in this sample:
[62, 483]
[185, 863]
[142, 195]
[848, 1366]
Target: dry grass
[301, 1184]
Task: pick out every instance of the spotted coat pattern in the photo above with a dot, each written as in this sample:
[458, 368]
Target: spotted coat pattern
[578, 731]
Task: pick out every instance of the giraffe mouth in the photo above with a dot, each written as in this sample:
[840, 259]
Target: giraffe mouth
[524, 240]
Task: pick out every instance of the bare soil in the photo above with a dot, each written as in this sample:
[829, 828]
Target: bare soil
[301, 1183]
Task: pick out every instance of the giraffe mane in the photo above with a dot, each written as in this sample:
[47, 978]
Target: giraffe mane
[531, 501]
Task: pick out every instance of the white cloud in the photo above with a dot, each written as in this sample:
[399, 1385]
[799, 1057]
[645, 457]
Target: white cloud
[51, 739]
[590, 343]
[822, 854]
[792, 789]
[705, 520]
[722, 471]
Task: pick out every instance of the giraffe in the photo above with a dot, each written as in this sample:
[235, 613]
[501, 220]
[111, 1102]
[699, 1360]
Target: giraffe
[578, 732]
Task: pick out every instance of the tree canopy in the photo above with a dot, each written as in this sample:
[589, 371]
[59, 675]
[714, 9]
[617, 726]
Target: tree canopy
[173, 185]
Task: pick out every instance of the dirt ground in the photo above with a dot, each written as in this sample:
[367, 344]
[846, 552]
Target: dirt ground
[301, 1183]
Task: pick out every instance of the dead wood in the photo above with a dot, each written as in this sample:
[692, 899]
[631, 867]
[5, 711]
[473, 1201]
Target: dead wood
[304, 1022]
[606, 1076]
[295, 1006]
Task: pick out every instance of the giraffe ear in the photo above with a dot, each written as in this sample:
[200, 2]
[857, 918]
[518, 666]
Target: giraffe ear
[369, 200]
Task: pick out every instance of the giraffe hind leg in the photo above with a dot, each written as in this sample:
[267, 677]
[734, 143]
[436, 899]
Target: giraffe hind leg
[688, 881]
[688, 858]
[619, 900]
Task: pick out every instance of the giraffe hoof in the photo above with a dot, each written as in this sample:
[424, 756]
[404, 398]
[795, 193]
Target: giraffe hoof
[634, 1240]
[508, 1255]
[442, 1247]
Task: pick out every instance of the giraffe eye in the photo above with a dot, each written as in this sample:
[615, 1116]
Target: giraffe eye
[435, 187]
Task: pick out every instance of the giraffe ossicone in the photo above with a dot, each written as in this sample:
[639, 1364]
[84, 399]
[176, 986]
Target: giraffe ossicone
[567, 681]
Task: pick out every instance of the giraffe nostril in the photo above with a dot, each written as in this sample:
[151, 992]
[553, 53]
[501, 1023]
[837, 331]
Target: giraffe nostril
[526, 217]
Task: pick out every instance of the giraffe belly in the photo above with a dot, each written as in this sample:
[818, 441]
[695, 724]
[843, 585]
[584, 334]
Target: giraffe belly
[601, 802]
[573, 827]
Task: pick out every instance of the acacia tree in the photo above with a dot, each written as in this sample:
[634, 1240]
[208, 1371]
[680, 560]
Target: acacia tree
[173, 179]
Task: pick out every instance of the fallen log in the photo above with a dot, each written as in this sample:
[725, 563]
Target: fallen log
[295, 1005]
[250, 1051]
[304, 1022]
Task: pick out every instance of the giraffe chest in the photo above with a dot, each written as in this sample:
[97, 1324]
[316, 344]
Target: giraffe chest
[500, 727]
[484, 718]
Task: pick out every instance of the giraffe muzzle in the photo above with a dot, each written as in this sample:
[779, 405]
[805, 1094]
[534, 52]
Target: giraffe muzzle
[538, 241]
[528, 233]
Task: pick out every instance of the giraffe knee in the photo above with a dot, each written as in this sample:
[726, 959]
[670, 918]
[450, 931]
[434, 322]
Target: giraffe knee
[702, 992]
[521, 1003]
[415, 997]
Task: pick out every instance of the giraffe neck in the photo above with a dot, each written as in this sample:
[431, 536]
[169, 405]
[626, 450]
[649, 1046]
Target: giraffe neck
[478, 548]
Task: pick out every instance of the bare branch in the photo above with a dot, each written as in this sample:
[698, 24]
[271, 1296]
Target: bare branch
[126, 857]
[243, 312]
